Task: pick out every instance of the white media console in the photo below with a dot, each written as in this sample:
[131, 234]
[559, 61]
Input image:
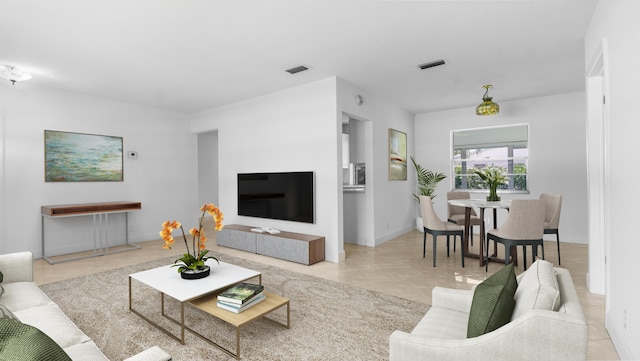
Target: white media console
[295, 247]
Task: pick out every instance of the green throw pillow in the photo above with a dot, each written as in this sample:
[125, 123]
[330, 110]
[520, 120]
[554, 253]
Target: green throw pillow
[19, 342]
[492, 303]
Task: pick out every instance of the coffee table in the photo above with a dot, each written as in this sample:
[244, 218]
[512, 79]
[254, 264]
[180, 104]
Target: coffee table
[202, 294]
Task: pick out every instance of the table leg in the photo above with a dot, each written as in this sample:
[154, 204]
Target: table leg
[150, 321]
[495, 226]
[467, 224]
[237, 343]
[182, 321]
[482, 237]
[288, 316]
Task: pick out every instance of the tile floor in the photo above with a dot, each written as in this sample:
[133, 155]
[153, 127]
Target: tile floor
[396, 267]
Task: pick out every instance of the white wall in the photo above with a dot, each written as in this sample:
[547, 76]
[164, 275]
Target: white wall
[301, 129]
[208, 168]
[617, 21]
[390, 205]
[297, 129]
[557, 160]
[162, 177]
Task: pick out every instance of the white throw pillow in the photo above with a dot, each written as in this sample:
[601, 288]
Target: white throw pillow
[537, 289]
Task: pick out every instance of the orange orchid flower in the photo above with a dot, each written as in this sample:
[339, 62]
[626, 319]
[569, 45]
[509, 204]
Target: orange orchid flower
[200, 254]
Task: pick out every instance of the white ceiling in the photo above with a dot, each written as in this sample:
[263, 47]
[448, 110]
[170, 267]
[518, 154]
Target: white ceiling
[193, 55]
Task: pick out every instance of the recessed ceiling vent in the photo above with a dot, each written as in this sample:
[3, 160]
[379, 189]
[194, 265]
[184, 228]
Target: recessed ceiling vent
[297, 69]
[431, 64]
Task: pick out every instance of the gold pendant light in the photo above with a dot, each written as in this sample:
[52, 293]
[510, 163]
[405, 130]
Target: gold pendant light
[487, 107]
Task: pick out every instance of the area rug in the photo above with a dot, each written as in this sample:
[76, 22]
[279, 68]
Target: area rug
[329, 320]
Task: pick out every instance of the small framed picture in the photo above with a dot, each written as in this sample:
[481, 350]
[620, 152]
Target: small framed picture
[397, 155]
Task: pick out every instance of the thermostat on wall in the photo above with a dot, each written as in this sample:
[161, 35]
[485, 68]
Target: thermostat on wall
[132, 155]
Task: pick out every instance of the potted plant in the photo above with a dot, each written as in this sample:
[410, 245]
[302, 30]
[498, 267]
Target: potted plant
[427, 182]
[492, 176]
[192, 265]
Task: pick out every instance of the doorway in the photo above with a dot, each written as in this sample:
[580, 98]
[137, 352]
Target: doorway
[208, 168]
[357, 187]
[598, 173]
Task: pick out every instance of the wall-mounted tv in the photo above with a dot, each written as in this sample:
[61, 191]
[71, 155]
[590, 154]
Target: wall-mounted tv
[287, 196]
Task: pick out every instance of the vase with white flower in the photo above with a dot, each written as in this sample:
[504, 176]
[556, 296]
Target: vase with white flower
[192, 265]
[492, 176]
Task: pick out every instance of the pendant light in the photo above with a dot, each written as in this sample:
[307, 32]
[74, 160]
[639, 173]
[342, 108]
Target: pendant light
[487, 107]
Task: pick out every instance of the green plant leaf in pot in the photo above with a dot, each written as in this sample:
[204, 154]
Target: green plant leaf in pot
[427, 180]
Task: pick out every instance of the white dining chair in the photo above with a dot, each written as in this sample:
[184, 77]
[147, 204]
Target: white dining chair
[435, 227]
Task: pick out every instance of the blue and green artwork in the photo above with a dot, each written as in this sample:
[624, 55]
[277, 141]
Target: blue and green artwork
[77, 157]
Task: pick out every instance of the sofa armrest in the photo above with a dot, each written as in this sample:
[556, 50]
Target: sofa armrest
[452, 298]
[154, 353]
[537, 335]
[17, 267]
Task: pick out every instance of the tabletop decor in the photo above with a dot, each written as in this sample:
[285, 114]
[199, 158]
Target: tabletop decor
[492, 176]
[192, 265]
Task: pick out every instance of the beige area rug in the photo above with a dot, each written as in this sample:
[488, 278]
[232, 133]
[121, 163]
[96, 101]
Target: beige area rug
[329, 320]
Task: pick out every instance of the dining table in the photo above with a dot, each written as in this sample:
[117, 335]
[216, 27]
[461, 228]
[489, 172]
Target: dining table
[481, 204]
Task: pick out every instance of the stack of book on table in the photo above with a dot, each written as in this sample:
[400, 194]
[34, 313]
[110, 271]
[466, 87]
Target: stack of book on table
[241, 296]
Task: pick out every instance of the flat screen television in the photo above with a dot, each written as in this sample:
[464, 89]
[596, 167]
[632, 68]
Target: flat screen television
[286, 196]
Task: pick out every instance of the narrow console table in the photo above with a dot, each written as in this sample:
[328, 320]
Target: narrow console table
[295, 247]
[100, 213]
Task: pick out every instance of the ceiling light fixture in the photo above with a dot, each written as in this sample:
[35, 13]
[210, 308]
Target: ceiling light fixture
[13, 74]
[487, 107]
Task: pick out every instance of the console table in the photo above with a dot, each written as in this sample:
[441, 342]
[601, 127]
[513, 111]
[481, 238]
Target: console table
[295, 247]
[100, 213]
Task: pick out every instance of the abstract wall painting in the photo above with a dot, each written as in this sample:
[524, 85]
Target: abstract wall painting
[78, 157]
[397, 155]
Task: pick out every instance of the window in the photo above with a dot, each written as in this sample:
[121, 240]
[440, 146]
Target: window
[505, 147]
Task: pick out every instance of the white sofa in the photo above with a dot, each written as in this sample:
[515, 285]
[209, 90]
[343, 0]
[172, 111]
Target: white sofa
[32, 306]
[535, 332]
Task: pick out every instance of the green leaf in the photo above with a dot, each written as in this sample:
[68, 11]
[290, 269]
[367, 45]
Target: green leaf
[427, 180]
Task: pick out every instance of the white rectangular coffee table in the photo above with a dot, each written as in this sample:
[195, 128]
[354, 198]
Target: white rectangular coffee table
[167, 280]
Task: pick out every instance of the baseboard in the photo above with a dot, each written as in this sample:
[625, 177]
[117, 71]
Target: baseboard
[389, 236]
[616, 332]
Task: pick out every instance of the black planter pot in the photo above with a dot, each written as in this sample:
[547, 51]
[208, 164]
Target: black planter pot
[198, 273]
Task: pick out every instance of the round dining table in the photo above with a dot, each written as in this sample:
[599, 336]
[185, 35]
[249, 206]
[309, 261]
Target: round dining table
[468, 204]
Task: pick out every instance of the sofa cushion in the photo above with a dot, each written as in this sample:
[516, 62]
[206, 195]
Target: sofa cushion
[50, 320]
[154, 353]
[537, 289]
[19, 341]
[86, 351]
[22, 295]
[442, 323]
[6, 313]
[492, 303]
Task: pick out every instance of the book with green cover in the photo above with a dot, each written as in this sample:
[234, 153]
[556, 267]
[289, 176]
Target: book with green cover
[235, 308]
[240, 293]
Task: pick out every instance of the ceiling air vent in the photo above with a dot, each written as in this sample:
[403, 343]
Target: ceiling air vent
[297, 69]
[431, 64]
